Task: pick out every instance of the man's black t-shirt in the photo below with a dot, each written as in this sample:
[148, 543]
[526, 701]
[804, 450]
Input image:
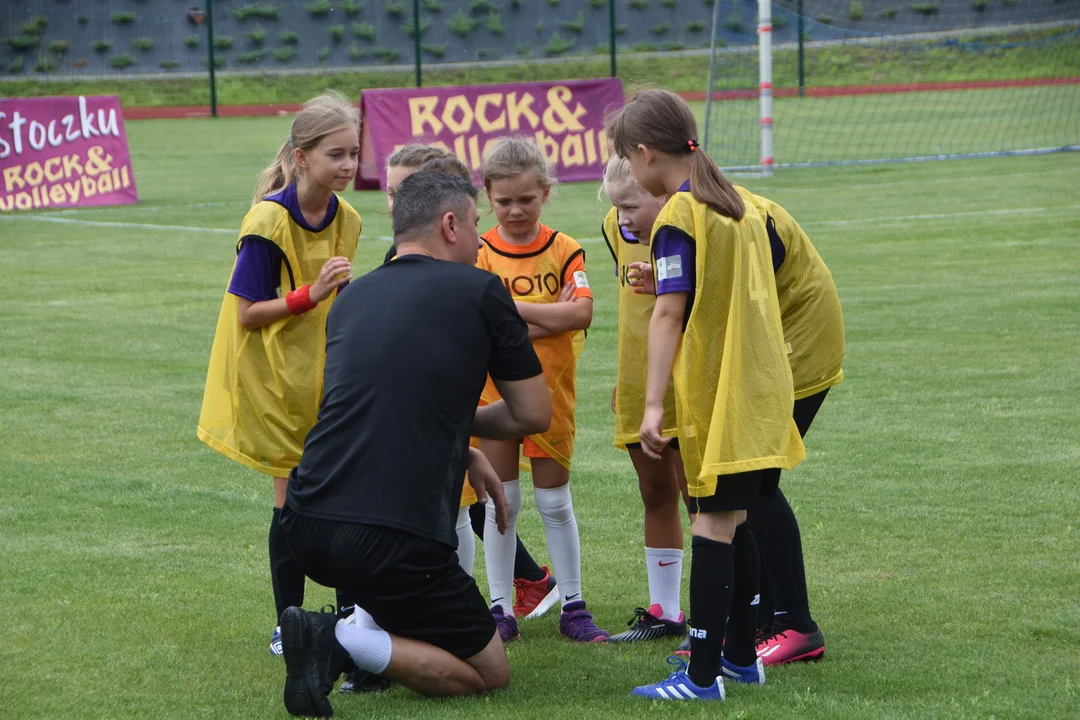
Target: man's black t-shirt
[408, 349]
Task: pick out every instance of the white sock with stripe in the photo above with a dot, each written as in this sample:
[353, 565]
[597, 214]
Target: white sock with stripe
[556, 509]
[500, 550]
[466, 540]
[664, 568]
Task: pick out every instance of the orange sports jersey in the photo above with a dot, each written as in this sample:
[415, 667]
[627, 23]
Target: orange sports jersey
[537, 273]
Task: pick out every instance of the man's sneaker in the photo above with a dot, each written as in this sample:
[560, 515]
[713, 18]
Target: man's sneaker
[275, 642]
[790, 645]
[507, 624]
[679, 686]
[313, 661]
[649, 625]
[358, 681]
[533, 598]
[577, 623]
[749, 675]
[684, 648]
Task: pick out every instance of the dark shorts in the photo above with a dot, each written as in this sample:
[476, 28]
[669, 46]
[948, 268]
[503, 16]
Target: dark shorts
[412, 586]
[738, 491]
[674, 445]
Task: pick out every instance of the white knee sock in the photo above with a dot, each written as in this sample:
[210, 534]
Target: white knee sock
[361, 618]
[560, 528]
[370, 649]
[466, 542]
[664, 567]
[499, 550]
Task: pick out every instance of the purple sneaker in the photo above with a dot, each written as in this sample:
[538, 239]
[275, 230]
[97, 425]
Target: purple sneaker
[507, 624]
[577, 623]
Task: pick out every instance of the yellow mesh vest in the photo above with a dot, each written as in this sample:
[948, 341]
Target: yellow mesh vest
[264, 386]
[809, 304]
[539, 277]
[634, 313]
[733, 392]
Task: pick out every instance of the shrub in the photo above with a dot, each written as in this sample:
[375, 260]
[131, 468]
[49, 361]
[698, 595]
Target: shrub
[598, 4]
[640, 4]
[434, 50]
[265, 11]
[695, 26]
[256, 35]
[15, 65]
[223, 42]
[351, 8]
[288, 37]
[979, 5]
[824, 19]
[409, 28]
[395, 9]
[122, 18]
[36, 25]
[479, 7]
[364, 30]
[143, 44]
[102, 46]
[660, 29]
[121, 61]
[577, 25]
[669, 3]
[251, 56]
[888, 13]
[674, 46]
[45, 64]
[643, 47]
[557, 45]
[461, 24]
[926, 8]
[356, 53]
[855, 10]
[324, 54]
[385, 54]
[337, 32]
[433, 6]
[168, 64]
[59, 47]
[494, 23]
[82, 20]
[319, 8]
[22, 42]
[285, 54]
[191, 41]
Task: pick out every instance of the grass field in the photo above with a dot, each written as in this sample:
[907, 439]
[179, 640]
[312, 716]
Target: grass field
[939, 502]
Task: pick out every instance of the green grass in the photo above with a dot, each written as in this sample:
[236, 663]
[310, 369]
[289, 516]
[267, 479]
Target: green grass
[938, 504]
[1026, 56]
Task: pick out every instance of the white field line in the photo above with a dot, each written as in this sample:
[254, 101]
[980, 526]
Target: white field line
[232, 231]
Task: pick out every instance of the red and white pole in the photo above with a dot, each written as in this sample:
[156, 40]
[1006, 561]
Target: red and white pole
[765, 85]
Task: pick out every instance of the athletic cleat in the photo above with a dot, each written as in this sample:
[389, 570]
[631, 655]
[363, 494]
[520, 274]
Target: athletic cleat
[749, 675]
[684, 647]
[649, 625]
[679, 686]
[533, 598]
[356, 682]
[313, 661]
[507, 624]
[275, 642]
[790, 645]
[576, 623]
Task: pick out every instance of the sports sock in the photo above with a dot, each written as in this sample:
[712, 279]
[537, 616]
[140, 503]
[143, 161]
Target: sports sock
[362, 618]
[344, 602]
[664, 568]
[740, 641]
[780, 545]
[369, 649]
[712, 574]
[466, 544]
[564, 546]
[499, 549]
[525, 567]
[286, 577]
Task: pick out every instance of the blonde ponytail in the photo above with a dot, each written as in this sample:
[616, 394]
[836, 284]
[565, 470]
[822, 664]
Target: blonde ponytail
[327, 113]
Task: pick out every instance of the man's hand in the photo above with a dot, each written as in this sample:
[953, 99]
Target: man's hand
[488, 487]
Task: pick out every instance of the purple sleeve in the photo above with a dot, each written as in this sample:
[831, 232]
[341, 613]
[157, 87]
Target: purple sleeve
[257, 274]
[674, 261]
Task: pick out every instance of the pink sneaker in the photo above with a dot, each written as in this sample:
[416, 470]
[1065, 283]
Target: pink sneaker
[785, 646]
[577, 623]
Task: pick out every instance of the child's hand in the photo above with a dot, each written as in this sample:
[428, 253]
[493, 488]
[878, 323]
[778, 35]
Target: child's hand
[567, 294]
[653, 441]
[640, 277]
[335, 272]
[613, 397]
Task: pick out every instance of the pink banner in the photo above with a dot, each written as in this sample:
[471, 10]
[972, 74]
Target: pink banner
[61, 152]
[566, 119]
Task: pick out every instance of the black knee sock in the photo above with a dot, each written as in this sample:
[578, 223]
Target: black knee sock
[780, 545]
[524, 565]
[285, 573]
[344, 601]
[767, 603]
[712, 575]
[739, 643]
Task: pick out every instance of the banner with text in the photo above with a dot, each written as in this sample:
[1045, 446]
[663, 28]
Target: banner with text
[58, 152]
[566, 119]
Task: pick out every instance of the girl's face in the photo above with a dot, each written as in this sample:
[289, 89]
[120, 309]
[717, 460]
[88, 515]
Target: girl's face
[646, 169]
[332, 162]
[394, 176]
[517, 201]
[637, 209]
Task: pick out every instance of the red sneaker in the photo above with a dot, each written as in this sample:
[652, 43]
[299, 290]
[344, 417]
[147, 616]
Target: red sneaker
[785, 646]
[533, 598]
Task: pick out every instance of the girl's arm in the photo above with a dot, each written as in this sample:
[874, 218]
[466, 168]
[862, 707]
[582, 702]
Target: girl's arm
[558, 317]
[665, 333]
[336, 272]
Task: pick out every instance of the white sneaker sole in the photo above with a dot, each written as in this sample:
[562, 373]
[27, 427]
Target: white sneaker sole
[545, 605]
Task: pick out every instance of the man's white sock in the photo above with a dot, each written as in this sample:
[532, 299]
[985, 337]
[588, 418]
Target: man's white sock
[369, 649]
[466, 541]
[499, 550]
[560, 528]
[664, 567]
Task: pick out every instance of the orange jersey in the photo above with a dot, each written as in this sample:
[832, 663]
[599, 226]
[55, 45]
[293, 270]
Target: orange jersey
[537, 273]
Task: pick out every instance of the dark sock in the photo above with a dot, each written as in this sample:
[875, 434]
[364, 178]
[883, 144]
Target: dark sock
[767, 604]
[712, 574]
[343, 601]
[285, 573]
[780, 545]
[740, 642]
[525, 568]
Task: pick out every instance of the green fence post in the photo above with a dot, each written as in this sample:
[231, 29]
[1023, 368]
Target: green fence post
[611, 34]
[802, 72]
[416, 40]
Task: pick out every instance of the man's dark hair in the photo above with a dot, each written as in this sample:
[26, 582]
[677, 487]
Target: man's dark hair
[424, 197]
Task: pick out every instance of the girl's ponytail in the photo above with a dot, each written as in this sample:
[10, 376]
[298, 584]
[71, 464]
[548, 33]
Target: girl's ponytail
[709, 186]
[277, 174]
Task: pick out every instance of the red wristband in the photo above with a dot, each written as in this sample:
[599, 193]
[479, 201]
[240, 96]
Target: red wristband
[299, 301]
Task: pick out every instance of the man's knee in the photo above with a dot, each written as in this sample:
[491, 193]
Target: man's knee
[492, 665]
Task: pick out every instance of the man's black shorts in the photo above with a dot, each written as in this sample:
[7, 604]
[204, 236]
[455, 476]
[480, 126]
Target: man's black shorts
[413, 587]
[739, 491]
